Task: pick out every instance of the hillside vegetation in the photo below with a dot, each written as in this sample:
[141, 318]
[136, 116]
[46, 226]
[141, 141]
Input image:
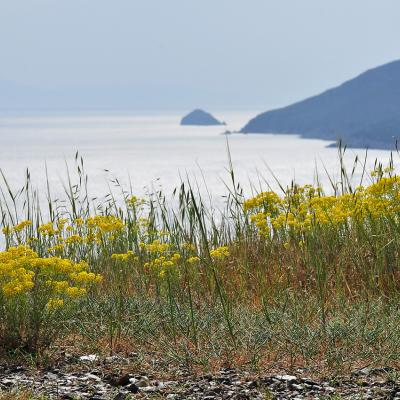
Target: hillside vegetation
[305, 277]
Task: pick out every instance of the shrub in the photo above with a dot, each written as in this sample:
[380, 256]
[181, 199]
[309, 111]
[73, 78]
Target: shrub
[37, 294]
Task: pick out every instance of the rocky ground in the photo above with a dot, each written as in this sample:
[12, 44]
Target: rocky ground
[90, 377]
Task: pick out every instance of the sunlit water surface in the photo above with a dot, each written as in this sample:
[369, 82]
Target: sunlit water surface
[152, 151]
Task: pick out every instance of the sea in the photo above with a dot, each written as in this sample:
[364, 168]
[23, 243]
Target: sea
[149, 151]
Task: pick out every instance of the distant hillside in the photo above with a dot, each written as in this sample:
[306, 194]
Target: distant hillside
[363, 112]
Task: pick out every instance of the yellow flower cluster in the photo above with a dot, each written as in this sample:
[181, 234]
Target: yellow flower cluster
[106, 223]
[22, 225]
[190, 247]
[303, 207]
[55, 303]
[64, 239]
[57, 248]
[14, 277]
[47, 229]
[156, 246]
[164, 263]
[129, 255]
[64, 234]
[161, 257]
[268, 200]
[16, 228]
[23, 272]
[73, 239]
[219, 253]
[61, 223]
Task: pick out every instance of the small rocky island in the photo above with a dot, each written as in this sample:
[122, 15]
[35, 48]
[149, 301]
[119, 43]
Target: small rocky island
[200, 117]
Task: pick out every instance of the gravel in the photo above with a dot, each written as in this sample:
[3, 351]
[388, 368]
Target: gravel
[91, 379]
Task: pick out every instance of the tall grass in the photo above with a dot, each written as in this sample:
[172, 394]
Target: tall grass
[200, 286]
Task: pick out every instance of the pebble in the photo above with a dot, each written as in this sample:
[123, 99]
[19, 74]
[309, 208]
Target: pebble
[89, 358]
[287, 378]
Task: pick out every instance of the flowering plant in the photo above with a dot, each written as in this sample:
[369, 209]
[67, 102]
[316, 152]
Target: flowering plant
[35, 293]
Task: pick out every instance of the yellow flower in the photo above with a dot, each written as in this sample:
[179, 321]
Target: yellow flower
[22, 225]
[73, 239]
[193, 260]
[269, 200]
[219, 253]
[55, 303]
[6, 230]
[86, 277]
[79, 221]
[189, 247]
[106, 223]
[61, 223]
[75, 292]
[176, 257]
[47, 229]
[90, 238]
[156, 247]
[60, 286]
[123, 256]
[57, 248]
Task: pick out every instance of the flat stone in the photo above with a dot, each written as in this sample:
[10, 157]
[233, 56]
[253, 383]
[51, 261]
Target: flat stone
[89, 358]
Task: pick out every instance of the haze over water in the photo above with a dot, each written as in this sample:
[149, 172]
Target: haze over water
[154, 151]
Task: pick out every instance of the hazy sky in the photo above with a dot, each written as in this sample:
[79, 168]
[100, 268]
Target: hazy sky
[225, 53]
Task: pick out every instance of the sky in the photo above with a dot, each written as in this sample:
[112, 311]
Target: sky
[238, 54]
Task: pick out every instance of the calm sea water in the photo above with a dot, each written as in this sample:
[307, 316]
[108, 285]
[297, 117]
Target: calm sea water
[153, 151]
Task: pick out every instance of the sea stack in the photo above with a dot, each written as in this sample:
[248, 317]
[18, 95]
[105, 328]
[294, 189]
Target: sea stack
[200, 117]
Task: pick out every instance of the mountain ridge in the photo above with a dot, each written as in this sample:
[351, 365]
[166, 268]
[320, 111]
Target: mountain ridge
[362, 112]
